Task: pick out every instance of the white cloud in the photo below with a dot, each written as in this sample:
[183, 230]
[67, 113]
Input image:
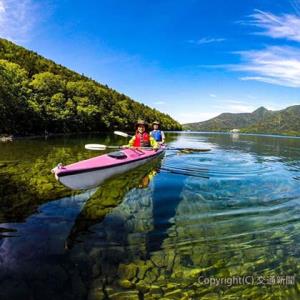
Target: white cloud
[206, 40]
[280, 106]
[275, 65]
[279, 65]
[2, 8]
[159, 103]
[286, 26]
[197, 116]
[212, 95]
[17, 18]
[234, 106]
[240, 108]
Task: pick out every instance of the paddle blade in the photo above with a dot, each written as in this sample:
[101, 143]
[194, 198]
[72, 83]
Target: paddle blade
[121, 133]
[188, 150]
[195, 150]
[95, 147]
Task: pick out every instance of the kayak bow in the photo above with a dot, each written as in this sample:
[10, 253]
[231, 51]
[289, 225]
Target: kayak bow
[92, 172]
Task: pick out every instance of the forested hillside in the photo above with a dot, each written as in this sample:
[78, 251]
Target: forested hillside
[37, 95]
[228, 121]
[286, 121]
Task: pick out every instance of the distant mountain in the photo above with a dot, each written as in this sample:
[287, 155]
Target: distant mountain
[286, 121]
[228, 121]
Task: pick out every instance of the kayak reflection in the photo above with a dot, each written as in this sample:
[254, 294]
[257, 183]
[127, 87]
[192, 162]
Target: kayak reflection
[109, 195]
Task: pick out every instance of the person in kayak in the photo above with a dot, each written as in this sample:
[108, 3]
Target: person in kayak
[142, 138]
[157, 134]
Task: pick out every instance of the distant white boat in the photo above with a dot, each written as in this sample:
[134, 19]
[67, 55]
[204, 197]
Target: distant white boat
[6, 138]
[235, 130]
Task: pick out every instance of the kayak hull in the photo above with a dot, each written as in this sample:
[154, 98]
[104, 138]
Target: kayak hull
[92, 172]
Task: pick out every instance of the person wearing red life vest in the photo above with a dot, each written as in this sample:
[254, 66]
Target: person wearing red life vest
[142, 138]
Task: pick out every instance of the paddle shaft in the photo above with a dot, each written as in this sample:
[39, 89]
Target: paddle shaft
[124, 134]
[103, 147]
[188, 149]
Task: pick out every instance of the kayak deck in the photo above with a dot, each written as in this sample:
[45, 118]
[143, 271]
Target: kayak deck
[91, 172]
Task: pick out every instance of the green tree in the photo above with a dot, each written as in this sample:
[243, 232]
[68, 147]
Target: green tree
[13, 97]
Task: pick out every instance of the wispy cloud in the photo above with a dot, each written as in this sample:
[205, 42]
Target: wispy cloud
[17, 18]
[279, 65]
[212, 95]
[234, 106]
[2, 8]
[197, 116]
[206, 40]
[285, 26]
[159, 103]
[275, 65]
[296, 5]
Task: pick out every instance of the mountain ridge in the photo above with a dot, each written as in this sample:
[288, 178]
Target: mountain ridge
[261, 120]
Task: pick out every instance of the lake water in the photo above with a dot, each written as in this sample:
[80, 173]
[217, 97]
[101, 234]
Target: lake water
[218, 225]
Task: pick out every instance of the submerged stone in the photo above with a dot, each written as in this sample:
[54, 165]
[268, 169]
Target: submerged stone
[155, 289]
[127, 271]
[142, 286]
[176, 294]
[126, 284]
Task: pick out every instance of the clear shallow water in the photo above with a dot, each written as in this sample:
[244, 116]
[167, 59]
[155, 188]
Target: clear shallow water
[217, 225]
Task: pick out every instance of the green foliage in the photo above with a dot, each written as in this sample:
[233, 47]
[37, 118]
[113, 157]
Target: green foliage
[286, 122]
[13, 97]
[36, 95]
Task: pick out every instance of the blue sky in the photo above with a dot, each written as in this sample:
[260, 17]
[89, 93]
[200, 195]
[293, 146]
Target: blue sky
[193, 59]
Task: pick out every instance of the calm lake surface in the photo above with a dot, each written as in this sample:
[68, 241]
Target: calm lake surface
[218, 225]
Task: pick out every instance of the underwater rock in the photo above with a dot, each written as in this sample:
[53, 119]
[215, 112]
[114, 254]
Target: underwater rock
[126, 284]
[210, 296]
[192, 274]
[176, 294]
[151, 275]
[156, 290]
[96, 294]
[142, 287]
[170, 286]
[125, 295]
[127, 271]
[159, 259]
[142, 271]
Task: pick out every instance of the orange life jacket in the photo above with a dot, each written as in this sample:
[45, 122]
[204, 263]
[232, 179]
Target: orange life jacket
[141, 140]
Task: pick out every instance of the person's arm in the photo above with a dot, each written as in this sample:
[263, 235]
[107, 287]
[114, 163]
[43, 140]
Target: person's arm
[162, 137]
[131, 142]
[153, 143]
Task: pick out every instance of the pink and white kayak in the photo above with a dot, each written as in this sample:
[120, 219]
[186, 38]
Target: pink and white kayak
[92, 172]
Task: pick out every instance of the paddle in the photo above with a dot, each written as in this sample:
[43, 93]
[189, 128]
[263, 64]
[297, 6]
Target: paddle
[187, 150]
[122, 134]
[96, 147]
[104, 147]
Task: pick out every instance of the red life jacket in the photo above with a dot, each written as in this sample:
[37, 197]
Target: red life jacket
[141, 140]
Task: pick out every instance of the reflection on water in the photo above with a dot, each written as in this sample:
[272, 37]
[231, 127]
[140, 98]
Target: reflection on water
[165, 230]
[109, 195]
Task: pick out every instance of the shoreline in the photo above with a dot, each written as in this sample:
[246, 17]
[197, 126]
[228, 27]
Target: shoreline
[241, 133]
[37, 136]
[11, 138]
